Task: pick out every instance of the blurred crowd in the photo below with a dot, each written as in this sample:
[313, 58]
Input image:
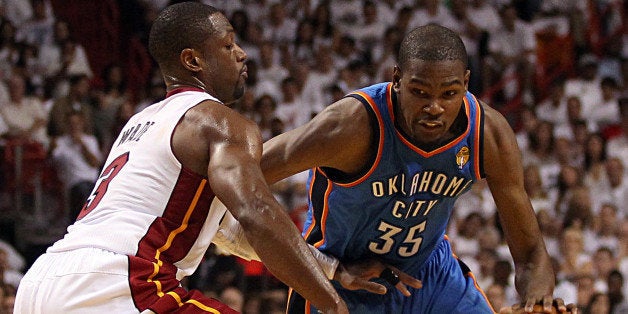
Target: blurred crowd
[558, 71]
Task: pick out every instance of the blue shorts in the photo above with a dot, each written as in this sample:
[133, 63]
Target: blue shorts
[448, 287]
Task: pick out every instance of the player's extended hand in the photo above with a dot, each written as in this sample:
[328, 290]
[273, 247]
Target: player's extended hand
[355, 276]
[548, 305]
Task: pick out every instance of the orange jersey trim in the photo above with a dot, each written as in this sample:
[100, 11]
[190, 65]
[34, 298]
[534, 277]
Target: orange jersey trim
[477, 139]
[157, 265]
[323, 214]
[380, 145]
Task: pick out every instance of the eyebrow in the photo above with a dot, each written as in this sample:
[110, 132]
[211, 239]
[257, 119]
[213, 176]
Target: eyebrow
[444, 84]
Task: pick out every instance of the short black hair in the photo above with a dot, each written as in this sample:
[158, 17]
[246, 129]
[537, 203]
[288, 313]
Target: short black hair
[431, 42]
[179, 26]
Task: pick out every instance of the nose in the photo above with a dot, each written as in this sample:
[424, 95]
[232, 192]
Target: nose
[434, 108]
[241, 54]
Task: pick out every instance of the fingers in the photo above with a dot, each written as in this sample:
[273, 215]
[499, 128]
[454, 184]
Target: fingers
[571, 308]
[353, 282]
[399, 279]
[407, 279]
[370, 286]
[547, 303]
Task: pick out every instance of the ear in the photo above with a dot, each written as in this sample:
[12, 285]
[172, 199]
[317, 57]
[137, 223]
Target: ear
[190, 60]
[396, 79]
[467, 75]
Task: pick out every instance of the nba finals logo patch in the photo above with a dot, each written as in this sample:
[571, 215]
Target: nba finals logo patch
[462, 157]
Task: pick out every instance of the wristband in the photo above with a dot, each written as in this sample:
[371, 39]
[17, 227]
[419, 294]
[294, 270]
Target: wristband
[390, 276]
[327, 263]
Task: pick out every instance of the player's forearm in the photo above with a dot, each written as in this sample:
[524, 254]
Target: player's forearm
[535, 276]
[282, 249]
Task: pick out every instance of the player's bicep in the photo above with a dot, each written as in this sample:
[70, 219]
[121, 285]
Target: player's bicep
[233, 169]
[336, 138]
[504, 176]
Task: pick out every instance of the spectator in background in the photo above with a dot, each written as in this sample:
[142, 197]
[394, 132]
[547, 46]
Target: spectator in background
[565, 288]
[345, 51]
[322, 74]
[233, 297]
[586, 291]
[587, 85]
[466, 237]
[569, 180]
[471, 35]
[265, 107]
[64, 58]
[432, 11]
[615, 284]
[478, 200]
[606, 111]
[370, 27]
[7, 298]
[503, 275]
[540, 197]
[554, 108]
[8, 275]
[496, 295]
[303, 47]
[551, 229]
[594, 166]
[38, 30]
[618, 145]
[599, 303]
[617, 194]
[292, 110]
[574, 261]
[24, 115]
[509, 62]
[606, 228]
[9, 49]
[279, 28]
[108, 102]
[384, 52]
[269, 72]
[78, 159]
[75, 100]
[604, 262]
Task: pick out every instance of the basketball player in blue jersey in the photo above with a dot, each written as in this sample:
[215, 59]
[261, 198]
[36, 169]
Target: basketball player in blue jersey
[388, 162]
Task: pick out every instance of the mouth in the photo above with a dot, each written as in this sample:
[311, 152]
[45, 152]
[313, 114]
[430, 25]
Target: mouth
[430, 124]
[244, 72]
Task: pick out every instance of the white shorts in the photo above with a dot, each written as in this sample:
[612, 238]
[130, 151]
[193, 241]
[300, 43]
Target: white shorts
[80, 281]
[91, 280]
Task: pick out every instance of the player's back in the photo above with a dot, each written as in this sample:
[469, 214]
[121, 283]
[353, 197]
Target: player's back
[144, 202]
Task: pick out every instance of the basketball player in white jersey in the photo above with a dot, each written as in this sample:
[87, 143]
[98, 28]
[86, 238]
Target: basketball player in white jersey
[148, 220]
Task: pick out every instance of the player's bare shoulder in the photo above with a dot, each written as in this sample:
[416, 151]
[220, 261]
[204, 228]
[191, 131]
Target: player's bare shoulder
[347, 115]
[496, 127]
[211, 123]
[500, 150]
[218, 122]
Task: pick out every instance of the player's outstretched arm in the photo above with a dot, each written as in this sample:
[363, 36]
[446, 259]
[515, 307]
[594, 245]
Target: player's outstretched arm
[534, 276]
[338, 137]
[236, 179]
[357, 276]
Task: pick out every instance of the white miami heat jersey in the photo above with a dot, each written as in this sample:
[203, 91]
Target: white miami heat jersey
[144, 203]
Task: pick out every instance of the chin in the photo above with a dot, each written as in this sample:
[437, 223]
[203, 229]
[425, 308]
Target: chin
[238, 92]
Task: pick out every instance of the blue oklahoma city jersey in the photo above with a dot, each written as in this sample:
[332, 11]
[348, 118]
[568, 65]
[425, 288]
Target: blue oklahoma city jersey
[400, 208]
